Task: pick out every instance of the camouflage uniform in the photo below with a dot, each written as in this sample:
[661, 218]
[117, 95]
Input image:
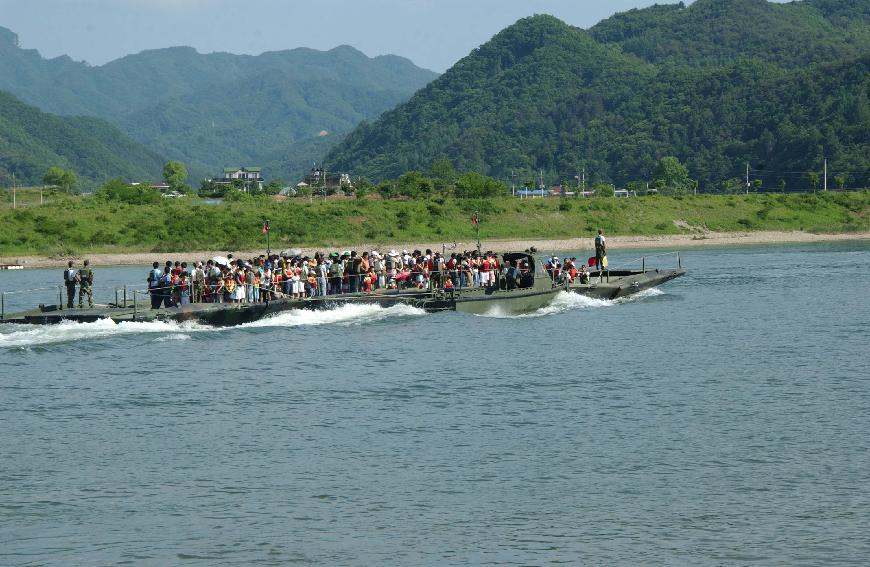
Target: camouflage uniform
[198, 285]
[86, 280]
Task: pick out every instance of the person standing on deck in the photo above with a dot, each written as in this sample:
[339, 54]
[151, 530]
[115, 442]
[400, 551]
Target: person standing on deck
[198, 283]
[600, 252]
[86, 281]
[70, 278]
[154, 285]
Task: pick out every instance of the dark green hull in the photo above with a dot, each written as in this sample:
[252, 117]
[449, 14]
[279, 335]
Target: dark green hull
[621, 283]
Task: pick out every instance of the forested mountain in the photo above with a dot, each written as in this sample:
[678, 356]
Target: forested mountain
[213, 110]
[31, 141]
[715, 32]
[718, 84]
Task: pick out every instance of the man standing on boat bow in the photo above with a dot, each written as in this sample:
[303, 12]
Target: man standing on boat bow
[600, 252]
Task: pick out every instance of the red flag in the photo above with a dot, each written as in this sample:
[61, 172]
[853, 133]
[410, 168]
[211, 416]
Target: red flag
[591, 261]
[265, 228]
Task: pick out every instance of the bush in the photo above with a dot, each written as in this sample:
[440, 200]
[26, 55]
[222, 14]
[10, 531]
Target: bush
[117, 190]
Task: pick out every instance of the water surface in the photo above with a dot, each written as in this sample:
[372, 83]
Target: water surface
[720, 420]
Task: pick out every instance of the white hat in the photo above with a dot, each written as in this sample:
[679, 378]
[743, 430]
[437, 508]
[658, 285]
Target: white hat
[404, 251]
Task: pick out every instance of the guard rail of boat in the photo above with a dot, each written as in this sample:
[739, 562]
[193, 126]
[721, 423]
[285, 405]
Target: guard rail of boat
[642, 260]
[120, 293]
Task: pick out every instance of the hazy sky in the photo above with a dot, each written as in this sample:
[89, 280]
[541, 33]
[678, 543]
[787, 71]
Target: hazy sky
[432, 33]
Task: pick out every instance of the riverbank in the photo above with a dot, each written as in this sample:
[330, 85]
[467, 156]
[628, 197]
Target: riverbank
[115, 233]
[670, 241]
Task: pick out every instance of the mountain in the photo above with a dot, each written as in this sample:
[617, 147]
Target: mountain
[218, 109]
[31, 141]
[715, 32]
[718, 84]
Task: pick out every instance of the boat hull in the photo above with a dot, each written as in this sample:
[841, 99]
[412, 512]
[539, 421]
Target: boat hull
[624, 282]
[504, 302]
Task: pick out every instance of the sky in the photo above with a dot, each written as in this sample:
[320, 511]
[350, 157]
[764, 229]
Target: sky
[432, 33]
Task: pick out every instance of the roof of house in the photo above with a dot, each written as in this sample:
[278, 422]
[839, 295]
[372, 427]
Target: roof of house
[248, 169]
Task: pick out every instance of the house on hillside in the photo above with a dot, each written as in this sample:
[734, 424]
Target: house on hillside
[251, 177]
[322, 181]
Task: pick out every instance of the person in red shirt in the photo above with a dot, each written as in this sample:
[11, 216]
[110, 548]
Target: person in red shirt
[485, 267]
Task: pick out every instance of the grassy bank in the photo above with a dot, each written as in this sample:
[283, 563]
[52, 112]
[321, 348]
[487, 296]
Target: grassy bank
[77, 225]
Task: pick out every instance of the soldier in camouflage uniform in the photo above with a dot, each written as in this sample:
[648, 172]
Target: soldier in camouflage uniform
[86, 281]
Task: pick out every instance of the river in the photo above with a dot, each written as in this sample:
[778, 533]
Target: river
[720, 420]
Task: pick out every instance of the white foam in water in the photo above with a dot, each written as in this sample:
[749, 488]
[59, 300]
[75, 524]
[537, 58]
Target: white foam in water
[70, 331]
[567, 301]
[350, 314]
[640, 296]
[173, 337]
[67, 331]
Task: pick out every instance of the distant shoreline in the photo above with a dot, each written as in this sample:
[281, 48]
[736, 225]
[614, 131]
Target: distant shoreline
[678, 241]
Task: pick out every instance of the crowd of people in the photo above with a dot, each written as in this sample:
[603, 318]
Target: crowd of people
[229, 280]
[267, 277]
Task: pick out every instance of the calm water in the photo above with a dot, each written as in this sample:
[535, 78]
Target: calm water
[722, 420]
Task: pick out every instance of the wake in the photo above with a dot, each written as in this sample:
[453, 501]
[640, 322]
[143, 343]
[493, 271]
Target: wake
[566, 302]
[24, 336]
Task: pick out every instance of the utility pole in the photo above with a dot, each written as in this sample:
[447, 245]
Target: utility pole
[13, 190]
[826, 174]
[513, 183]
[747, 177]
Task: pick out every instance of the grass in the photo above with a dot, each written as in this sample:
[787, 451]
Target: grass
[75, 225]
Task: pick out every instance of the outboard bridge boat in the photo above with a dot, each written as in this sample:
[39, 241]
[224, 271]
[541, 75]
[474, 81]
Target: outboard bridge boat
[530, 289]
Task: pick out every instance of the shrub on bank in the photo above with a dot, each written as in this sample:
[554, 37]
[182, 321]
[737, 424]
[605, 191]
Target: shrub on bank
[114, 221]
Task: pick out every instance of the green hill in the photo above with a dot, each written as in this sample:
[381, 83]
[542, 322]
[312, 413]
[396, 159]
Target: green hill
[718, 84]
[210, 110]
[715, 32]
[31, 141]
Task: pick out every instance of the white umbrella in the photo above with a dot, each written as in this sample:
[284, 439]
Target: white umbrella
[221, 260]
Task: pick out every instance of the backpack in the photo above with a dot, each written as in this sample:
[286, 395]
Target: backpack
[335, 270]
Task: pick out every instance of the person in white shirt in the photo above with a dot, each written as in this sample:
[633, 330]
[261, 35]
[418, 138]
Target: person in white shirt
[600, 252]
[70, 278]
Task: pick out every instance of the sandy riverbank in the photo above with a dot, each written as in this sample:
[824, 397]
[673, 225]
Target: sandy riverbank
[672, 241]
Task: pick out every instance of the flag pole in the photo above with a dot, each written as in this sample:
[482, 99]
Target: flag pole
[477, 225]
